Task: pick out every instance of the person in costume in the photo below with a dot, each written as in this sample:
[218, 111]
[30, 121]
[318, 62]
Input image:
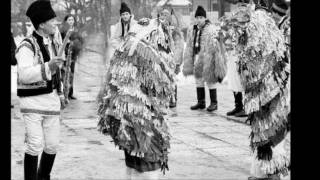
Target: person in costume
[251, 32]
[234, 84]
[74, 44]
[168, 14]
[121, 28]
[39, 91]
[204, 60]
[139, 84]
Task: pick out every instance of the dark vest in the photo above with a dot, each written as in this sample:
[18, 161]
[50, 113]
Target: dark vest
[197, 37]
[42, 87]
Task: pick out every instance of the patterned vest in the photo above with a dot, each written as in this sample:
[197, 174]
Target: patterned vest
[41, 55]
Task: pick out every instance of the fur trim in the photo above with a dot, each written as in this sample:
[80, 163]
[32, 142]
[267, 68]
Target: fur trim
[188, 55]
[211, 63]
[215, 64]
[198, 65]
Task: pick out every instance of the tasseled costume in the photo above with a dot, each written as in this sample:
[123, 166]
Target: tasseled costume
[265, 74]
[139, 85]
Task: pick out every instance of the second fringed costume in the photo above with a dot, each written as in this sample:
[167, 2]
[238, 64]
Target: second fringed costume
[265, 75]
[139, 85]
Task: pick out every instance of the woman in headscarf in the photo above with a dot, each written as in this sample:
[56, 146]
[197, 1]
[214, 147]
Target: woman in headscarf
[73, 48]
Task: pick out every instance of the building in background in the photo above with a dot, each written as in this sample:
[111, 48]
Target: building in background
[183, 7]
[210, 5]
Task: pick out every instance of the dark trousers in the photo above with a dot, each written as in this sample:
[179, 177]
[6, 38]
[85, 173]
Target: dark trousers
[73, 63]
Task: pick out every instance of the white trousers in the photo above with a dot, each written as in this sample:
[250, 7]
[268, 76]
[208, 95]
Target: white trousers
[233, 76]
[41, 130]
[133, 174]
[200, 83]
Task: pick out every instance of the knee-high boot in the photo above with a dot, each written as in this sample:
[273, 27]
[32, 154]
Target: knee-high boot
[30, 167]
[45, 166]
[201, 99]
[239, 105]
[213, 100]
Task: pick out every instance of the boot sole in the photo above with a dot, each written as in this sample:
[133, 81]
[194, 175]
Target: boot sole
[209, 110]
[198, 108]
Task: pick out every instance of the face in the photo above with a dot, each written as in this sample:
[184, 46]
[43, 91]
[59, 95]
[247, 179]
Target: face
[125, 16]
[70, 21]
[200, 20]
[165, 15]
[49, 27]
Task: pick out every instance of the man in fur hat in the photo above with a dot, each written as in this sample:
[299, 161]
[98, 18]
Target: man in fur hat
[203, 59]
[39, 91]
[121, 29]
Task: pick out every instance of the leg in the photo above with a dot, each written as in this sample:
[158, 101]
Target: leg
[34, 138]
[240, 111]
[201, 104]
[133, 174]
[71, 79]
[173, 103]
[51, 128]
[230, 113]
[213, 97]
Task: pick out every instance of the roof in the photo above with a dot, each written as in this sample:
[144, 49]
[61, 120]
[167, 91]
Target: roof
[174, 2]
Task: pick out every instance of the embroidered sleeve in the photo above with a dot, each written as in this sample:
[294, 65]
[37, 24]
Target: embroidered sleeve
[28, 70]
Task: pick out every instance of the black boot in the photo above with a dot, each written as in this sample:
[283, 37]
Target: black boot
[201, 99]
[240, 111]
[45, 166]
[236, 107]
[30, 167]
[71, 94]
[213, 99]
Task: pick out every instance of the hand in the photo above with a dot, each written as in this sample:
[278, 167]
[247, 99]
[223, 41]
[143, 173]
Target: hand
[54, 63]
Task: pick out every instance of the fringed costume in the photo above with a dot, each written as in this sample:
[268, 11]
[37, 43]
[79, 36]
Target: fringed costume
[265, 75]
[139, 84]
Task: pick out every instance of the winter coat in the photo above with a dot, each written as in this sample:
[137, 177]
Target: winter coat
[211, 64]
[116, 34]
[77, 43]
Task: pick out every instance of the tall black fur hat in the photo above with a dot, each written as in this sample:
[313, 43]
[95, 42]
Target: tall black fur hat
[200, 12]
[40, 12]
[124, 8]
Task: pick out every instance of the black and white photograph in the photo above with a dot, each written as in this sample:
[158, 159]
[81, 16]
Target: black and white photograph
[150, 89]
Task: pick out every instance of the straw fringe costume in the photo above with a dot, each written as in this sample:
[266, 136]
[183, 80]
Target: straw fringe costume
[139, 85]
[265, 76]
